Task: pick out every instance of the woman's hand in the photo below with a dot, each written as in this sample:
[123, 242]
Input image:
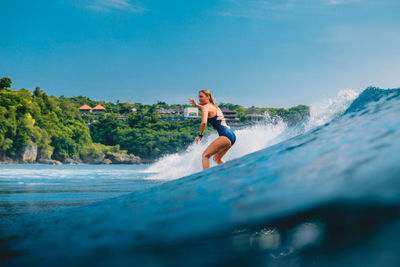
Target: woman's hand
[197, 139]
[193, 102]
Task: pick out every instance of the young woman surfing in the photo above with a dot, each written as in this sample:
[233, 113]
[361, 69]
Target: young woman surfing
[211, 113]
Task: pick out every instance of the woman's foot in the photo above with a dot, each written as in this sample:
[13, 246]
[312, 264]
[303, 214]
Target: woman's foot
[218, 160]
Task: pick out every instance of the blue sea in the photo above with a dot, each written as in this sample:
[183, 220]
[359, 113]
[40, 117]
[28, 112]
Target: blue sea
[323, 193]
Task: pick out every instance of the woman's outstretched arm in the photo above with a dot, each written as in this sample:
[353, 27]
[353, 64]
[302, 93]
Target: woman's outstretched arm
[203, 125]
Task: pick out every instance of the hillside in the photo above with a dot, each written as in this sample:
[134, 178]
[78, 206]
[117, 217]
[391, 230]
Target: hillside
[36, 127]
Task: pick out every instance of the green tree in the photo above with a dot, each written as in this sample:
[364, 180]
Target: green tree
[5, 83]
[37, 92]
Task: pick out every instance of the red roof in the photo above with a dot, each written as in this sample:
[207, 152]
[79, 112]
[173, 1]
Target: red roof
[99, 107]
[85, 107]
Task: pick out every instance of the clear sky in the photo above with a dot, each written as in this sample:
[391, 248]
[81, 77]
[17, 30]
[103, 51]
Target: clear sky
[249, 52]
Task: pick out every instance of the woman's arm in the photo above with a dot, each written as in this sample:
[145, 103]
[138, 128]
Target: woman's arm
[203, 125]
[204, 117]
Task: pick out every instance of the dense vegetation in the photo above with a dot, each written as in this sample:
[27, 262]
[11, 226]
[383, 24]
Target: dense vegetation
[56, 126]
[52, 123]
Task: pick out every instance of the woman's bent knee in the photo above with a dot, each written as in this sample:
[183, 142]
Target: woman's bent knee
[206, 155]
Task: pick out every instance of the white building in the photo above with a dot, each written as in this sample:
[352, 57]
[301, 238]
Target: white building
[191, 112]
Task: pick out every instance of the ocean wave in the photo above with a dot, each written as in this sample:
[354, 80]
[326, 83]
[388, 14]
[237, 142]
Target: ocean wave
[329, 196]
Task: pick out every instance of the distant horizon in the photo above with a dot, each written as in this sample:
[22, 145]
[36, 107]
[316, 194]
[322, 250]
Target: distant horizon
[262, 53]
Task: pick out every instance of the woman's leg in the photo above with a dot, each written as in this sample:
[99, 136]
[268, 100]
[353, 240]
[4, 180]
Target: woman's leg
[218, 156]
[220, 144]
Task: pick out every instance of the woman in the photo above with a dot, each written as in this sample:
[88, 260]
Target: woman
[211, 113]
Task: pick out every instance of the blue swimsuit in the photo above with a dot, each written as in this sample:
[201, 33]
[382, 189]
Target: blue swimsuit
[222, 129]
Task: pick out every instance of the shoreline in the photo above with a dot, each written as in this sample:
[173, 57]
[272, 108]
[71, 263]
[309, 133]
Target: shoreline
[83, 163]
[131, 161]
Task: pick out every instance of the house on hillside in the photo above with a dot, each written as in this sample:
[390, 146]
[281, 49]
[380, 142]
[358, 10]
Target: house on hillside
[191, 112]
[99, 109]
[167, 112]
[170, 112]
[85, 109]
[254, 115]
[230, 117]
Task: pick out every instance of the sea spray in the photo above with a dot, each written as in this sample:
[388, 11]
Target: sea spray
[326, 110]
[249, 139]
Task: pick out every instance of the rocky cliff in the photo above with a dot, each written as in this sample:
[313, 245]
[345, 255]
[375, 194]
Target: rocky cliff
[32, 155]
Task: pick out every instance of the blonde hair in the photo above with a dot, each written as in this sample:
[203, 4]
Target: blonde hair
[209, 95]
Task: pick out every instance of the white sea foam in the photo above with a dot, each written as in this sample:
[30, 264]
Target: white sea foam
[326, 110]
[249, 139]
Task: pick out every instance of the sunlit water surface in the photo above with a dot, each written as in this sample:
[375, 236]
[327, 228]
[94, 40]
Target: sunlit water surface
[39, 188]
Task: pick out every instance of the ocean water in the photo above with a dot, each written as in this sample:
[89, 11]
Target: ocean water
[324, 193]
[41, 188]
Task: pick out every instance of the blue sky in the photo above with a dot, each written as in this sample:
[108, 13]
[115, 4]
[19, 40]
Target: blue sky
[248, 52]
